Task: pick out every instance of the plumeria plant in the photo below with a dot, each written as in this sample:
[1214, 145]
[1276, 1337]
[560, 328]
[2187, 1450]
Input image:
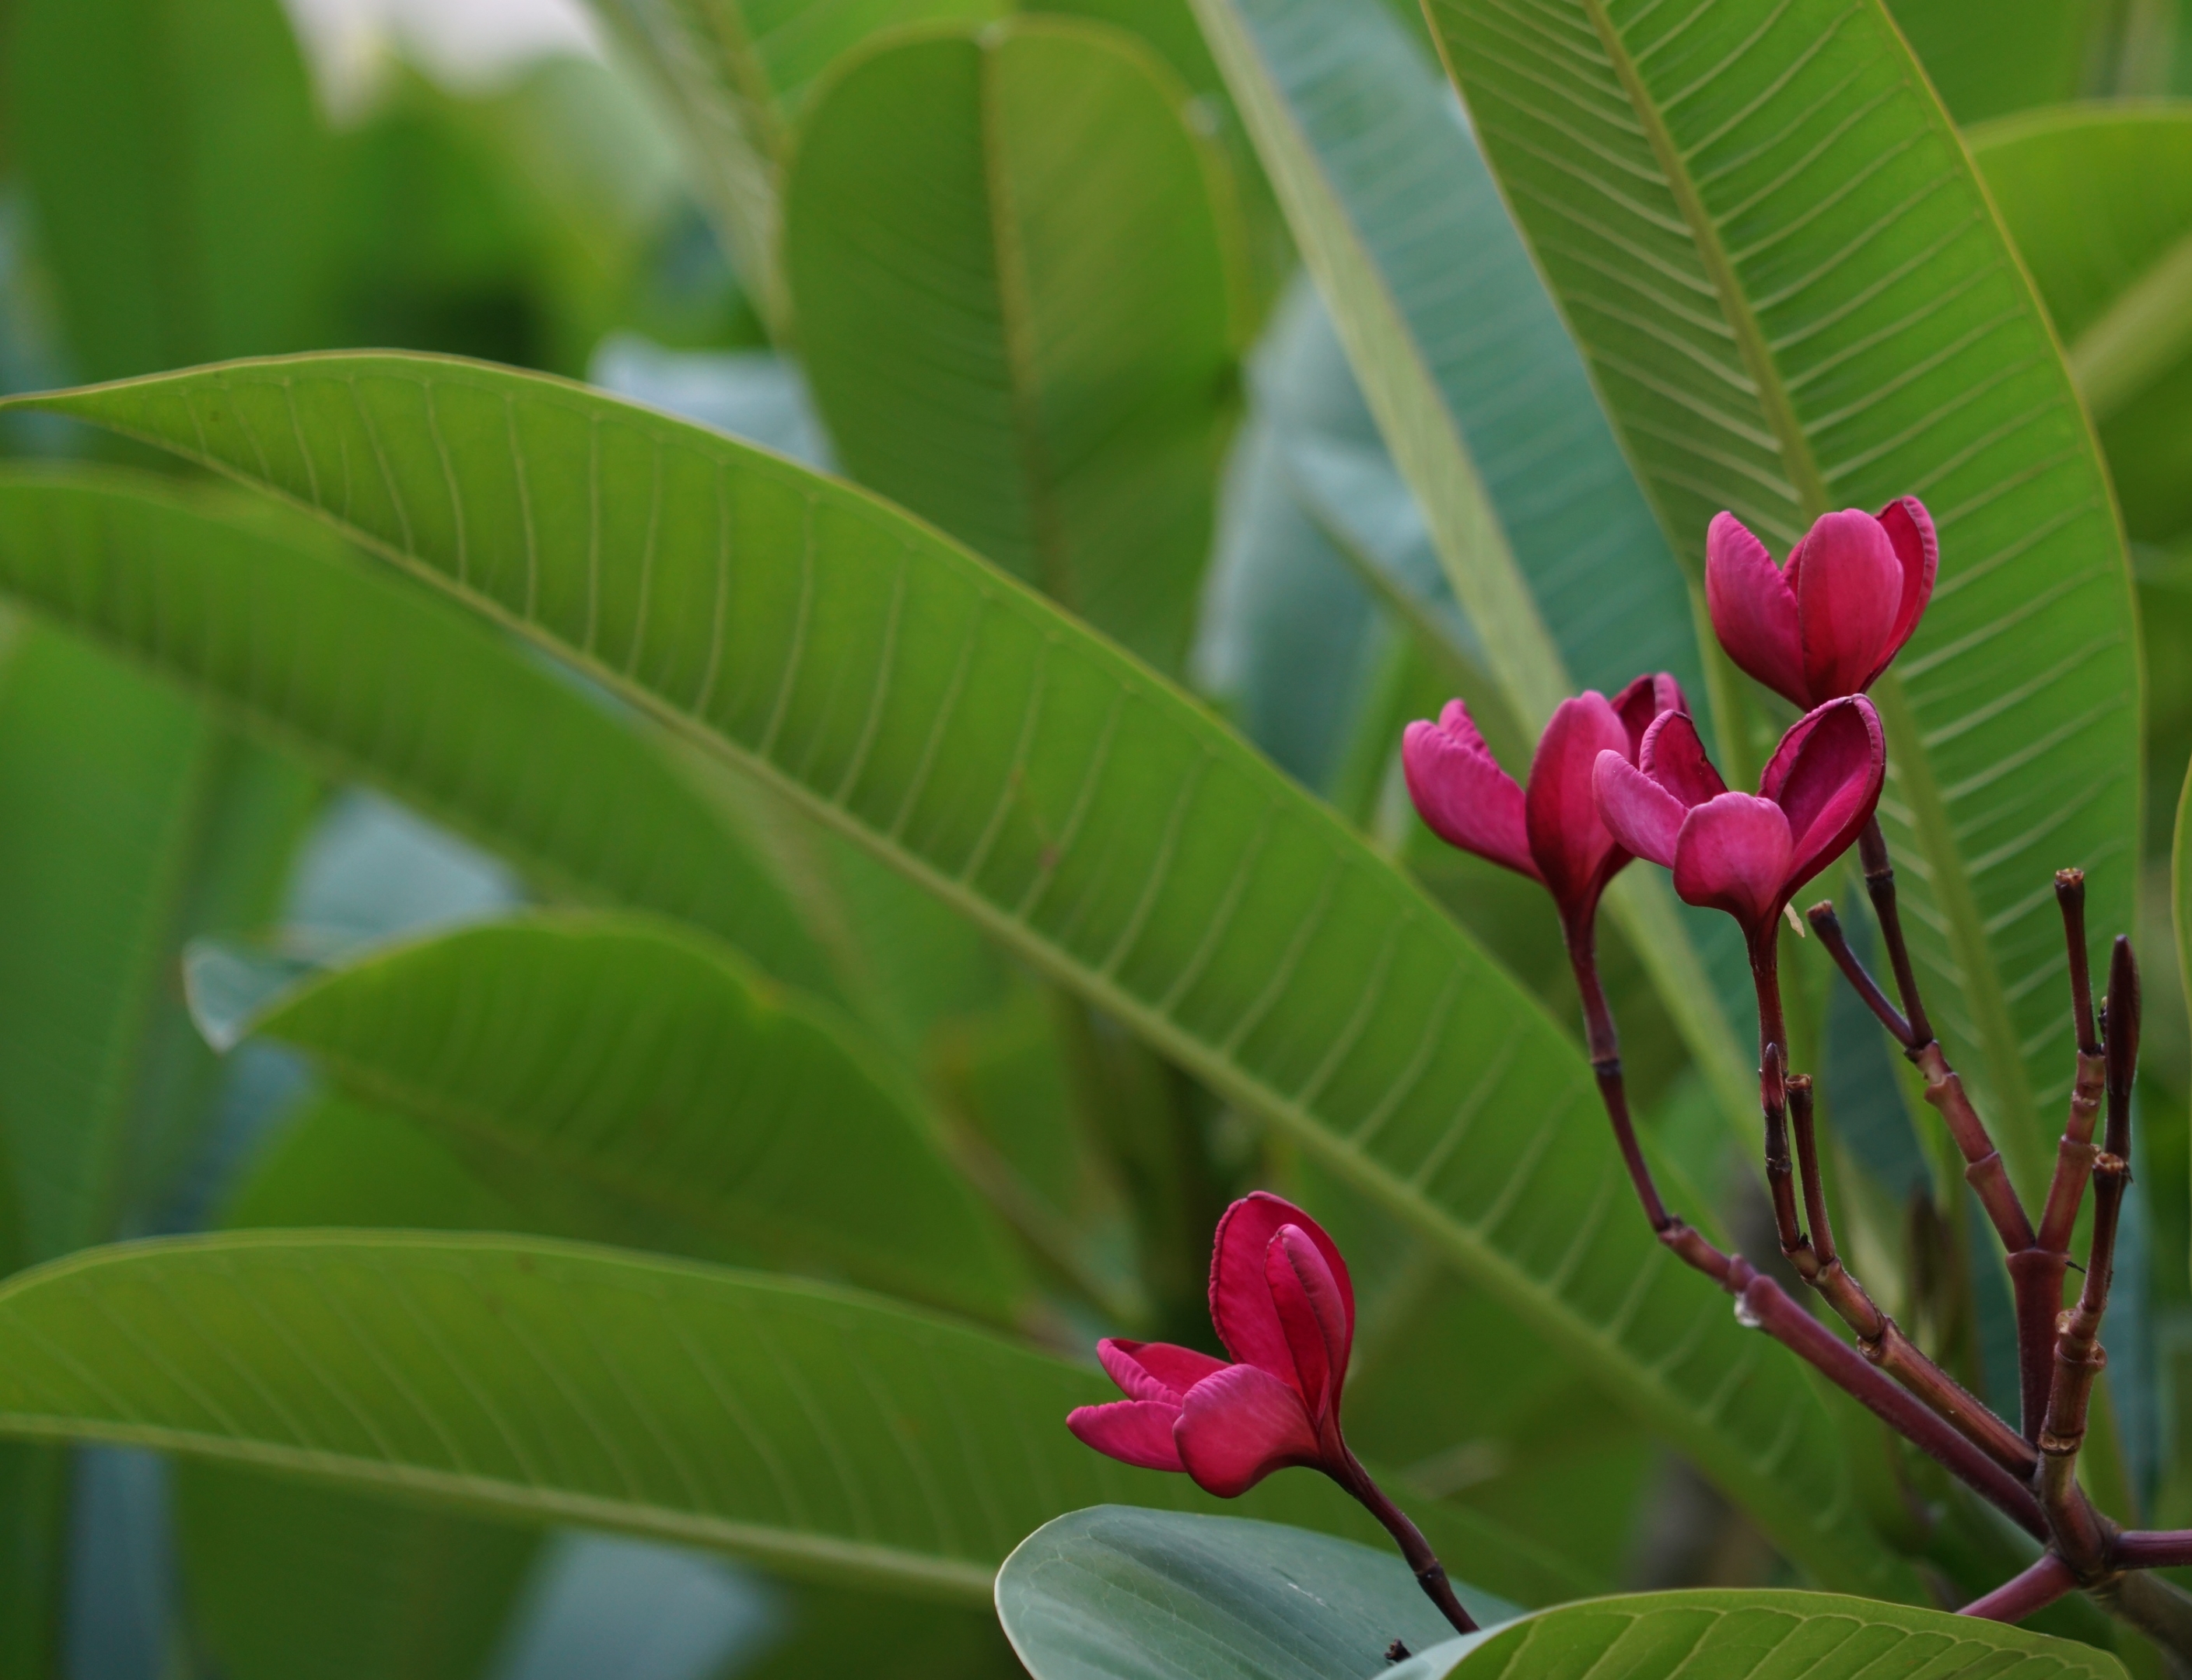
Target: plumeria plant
[1614, 781]
[677, 819]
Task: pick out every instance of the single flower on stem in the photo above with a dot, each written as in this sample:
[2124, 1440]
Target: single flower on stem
[1550, 832]
[1744, 853]
[1828, 624]
[1284, 1307]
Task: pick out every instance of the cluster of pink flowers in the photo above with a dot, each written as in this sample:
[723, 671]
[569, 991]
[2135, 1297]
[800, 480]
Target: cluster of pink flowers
[1628, 778]
[1612, 780]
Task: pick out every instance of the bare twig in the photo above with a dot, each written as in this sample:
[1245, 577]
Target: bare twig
[1828, 925]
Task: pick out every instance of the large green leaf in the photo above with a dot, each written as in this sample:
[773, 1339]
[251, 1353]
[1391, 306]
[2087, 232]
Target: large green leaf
[1548, 546]
[828, 1433]
[1012, 258]
[668, 1091]
[1094, 819]
[1145, 1595]
[128, 823]
[367, 678]
[2007, 56]
[1793, 296]
[1155, 1594]
[2099, 201]
[289, 1581]
[180, 173]
[735, 73]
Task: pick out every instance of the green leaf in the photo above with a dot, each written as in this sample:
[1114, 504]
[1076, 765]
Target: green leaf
[126, 818]
[834, 1436]
[1014, 279]
[1737, 1634]
[1793, 296]
[1540, 527]
[666, 1093]
[1141, 1595]
[180, 173]
[2011, 55]
[367, 678]
[735, 74]
[2099, 201]
[289, 1581]
[1097, 822]
[1155, 1595]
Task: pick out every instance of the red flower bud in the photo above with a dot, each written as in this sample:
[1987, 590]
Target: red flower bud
[1828, 624]
[1284, 1307]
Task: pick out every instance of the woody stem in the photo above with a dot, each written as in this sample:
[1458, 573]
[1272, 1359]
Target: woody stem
[1430, 1574]
[1879, 887]
[1881, 1339]
[1763, 1302]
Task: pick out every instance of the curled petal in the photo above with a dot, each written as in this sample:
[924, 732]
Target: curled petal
[1240, 1305]
[1909, 530]
[1573, 850]
[1733, 854]
[1641, 701]
[1674, 757]
[1642, 816]
[1849, 587]
[1826, 777]
[1138, 1433]
[1238, 1426]
[1753, 607]
[1154, 1370]
[1319, 1332]
[1461, 792]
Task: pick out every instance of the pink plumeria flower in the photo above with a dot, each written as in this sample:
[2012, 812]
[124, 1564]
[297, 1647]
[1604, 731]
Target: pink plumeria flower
[1828, 624]
[1553, 833]
[1284, 1308]
[1742, 853]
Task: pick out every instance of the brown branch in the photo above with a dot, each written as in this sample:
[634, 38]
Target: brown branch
[1828, 925]
[2032, 1590]
[1880, 886]
[2079, 1356]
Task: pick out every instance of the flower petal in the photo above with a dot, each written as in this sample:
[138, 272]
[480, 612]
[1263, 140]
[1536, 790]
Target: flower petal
[1849, 589]
[1639, 814]
[1641, 701]
[1319, 1332]
[1138, 1433]
[1569, 841]
[1154, 1370]
[1463, 795]
[1240, 1305]
[1826, 777]
[1673, 756]
[1753, 607]
[1238, 1426]
[1733, 854]
[1909, 530]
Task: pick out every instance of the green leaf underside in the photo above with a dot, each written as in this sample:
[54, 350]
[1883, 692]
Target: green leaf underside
[734, 76]
[1793, 296]
[629, 1062]
[2099, 201]
[1162, 1596]
[829, 1434]
[367, 677]
[1072, 803]
[1138, 1595]
[1479, 391]
[952, 231]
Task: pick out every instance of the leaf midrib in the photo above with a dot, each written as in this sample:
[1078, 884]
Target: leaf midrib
[2018, 1134]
